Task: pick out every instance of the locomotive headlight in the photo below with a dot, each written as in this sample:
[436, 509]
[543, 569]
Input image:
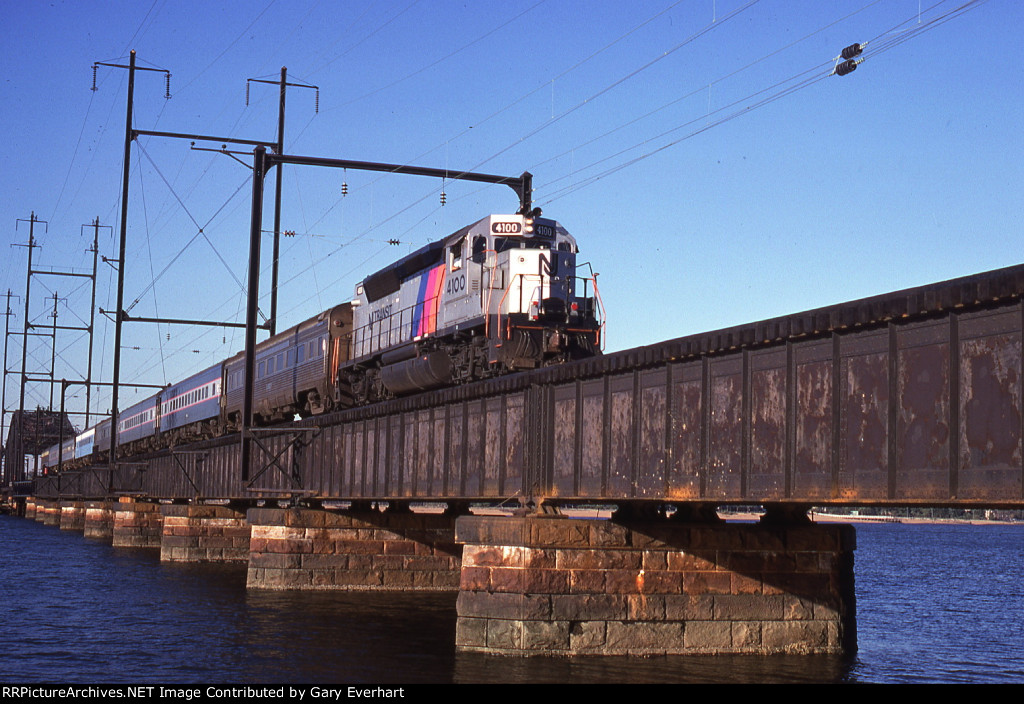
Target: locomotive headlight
[528, 225]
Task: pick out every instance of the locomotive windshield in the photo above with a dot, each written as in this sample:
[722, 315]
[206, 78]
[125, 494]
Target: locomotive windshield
[504, 243]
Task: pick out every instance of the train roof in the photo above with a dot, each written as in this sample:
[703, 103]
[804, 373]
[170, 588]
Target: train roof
[389, 279]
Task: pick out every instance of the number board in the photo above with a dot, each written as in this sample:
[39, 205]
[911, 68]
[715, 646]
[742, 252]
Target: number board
[506, 228]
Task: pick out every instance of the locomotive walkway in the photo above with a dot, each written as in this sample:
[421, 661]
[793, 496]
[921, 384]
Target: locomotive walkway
[906, 399]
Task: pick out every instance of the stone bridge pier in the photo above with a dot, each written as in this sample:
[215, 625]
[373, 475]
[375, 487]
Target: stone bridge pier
[552, 585]
[312, 548]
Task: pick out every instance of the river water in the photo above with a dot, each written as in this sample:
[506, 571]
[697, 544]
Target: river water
[935, 603]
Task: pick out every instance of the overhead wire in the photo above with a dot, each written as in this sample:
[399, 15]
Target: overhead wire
[702, 88]
[601, 92]
[572, 109]
[619, 81]
[149, 249]
[234, 41]
[509, 105]
[820, 72]
[444, 58]
[782, 92]
[199, 227]
[368, 36]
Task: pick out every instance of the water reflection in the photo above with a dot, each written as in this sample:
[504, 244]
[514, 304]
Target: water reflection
[935, 604]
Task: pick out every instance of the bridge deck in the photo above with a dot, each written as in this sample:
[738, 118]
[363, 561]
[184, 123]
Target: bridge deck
[912, 397]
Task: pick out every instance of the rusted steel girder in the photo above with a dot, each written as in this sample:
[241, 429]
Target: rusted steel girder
[910, 398]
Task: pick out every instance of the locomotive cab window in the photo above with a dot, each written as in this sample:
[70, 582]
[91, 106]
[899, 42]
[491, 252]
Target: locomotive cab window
[455, 256]
[502, 244]
[479, 249]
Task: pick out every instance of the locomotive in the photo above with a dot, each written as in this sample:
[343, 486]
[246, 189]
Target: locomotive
[498, 296]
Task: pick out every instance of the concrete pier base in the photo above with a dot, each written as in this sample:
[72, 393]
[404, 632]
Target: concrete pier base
[539, 585]
[203, 534]
[319, 549]
[99, 519]
[137, 524]
[72, 515]
[30, 508]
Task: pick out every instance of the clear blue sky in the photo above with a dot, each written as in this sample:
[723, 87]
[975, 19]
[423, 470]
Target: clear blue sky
[905, 172]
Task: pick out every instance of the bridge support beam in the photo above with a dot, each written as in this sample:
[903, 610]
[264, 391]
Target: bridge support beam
[137, 524]
[72, 515]
[203, 534]
[99, 519]
[539, 585]
[366, 550]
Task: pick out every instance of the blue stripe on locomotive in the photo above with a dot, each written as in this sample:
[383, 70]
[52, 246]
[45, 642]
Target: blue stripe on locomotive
[418, 307]
[183, 403]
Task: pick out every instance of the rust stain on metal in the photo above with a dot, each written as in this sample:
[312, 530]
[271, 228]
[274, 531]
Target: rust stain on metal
[814, 418]
[768, 424]
[866, 408]
[564, 450]
[514, 444]
[923, 384]
[651, 477]
[726, 423]
[683, 493]
[990, 402]
[621, 446]
[685, 437]
[593, 430]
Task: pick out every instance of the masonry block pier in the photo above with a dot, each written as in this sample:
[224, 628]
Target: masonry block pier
[99, 519]
[203, 533]
[137, 524]
[359, 550]
[46, 512]
[539, 585]
[72, 515]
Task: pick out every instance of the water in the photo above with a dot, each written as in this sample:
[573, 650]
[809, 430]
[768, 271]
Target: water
[935, 604]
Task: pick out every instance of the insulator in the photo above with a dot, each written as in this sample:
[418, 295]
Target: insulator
[344, 188]
[444, 197]
[846, 67]
[247, 84]
[852, 50]
[167, 87]
[168, 336]
[94, 76]
[317, 108]
[394, 241]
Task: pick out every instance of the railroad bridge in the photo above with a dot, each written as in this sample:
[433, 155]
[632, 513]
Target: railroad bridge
[906, 399]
